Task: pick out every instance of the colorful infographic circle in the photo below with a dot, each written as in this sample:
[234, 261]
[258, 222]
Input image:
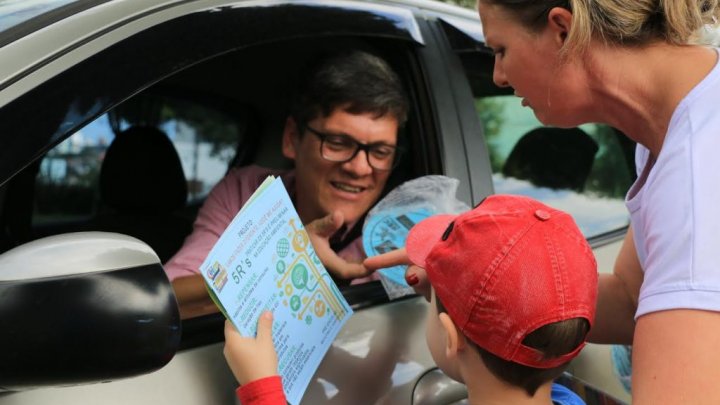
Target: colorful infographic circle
[295, 302]
[283, 247]
[300, 240]
[320, 308]
[299, 276]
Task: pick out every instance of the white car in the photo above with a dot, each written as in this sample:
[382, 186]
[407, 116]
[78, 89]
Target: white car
[213, 75]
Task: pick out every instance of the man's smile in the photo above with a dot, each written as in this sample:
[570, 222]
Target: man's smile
[347, 187]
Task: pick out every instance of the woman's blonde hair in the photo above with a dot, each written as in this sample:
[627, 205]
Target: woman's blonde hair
[621, 22]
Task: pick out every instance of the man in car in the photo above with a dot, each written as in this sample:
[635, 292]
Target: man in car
[342, 137]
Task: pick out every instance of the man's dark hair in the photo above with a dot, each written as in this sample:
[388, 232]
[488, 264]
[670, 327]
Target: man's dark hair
[553, 340]
[356, 81]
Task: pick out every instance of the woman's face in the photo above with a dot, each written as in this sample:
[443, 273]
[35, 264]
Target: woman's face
[530, 63]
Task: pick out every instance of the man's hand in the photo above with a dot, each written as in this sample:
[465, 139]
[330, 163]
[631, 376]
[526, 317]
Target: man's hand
[251, 359]
[415, 276]
[320, 231]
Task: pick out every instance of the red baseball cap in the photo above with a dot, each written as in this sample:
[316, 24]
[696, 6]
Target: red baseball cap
[506, 268]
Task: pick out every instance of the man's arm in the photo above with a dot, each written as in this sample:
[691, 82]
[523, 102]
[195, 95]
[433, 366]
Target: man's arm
[618, 297]
[192, 296]
[183, 269]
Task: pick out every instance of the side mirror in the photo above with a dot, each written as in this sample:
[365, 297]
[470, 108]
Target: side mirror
[81, 308]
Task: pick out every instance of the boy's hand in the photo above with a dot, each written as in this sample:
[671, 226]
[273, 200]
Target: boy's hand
[393, 258]
[251, 359]
[415, 276]
[320, 231]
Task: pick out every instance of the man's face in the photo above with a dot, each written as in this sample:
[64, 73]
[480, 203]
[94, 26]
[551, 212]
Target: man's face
[323, 186]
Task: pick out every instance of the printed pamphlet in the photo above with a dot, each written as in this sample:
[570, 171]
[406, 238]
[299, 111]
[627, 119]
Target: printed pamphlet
[264, 261]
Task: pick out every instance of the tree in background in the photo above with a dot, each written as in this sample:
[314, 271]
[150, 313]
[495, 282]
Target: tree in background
[462, 3]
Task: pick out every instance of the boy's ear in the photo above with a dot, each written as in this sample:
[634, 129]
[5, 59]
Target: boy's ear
[290, 139]
[455, 339]
[559, 22]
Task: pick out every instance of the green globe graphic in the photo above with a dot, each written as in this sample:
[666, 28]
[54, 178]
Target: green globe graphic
[283, 247]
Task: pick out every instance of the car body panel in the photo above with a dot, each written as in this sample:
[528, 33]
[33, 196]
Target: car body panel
[87, 32]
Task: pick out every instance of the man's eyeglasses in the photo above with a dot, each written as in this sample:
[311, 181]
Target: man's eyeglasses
[342, 148]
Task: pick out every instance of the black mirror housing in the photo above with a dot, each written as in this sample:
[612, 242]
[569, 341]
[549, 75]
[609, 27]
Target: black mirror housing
[84, 308]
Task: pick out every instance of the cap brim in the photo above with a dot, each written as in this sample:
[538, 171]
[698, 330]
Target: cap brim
[424, 236]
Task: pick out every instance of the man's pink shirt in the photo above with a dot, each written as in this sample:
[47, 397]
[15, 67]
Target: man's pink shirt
[221, 206]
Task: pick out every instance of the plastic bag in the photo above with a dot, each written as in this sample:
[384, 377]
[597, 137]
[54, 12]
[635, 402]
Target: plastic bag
[388, 223]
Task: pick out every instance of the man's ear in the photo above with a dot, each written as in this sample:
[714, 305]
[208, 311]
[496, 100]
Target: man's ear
[455, 340]
[559, 22]
[290, 139]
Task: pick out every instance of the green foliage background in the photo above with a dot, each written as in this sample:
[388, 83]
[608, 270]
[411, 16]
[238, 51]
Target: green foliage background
[462, 3]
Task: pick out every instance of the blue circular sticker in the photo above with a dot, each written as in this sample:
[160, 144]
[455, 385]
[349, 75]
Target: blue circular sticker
[387, 231]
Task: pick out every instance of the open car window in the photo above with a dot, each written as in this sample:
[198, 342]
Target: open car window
[226, 112]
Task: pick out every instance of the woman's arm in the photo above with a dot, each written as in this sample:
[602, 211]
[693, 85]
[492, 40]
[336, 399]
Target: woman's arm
[676, 358]
[618, 297]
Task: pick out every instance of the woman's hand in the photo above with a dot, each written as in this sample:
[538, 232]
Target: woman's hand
[251, 359]
[320, 231]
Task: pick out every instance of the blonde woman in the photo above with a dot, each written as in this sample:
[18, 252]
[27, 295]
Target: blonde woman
[634, 64]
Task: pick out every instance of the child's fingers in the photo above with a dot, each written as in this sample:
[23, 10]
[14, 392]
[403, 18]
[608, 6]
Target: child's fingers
[230, 331]
[389, 259]
[417, 278]
[264, 329]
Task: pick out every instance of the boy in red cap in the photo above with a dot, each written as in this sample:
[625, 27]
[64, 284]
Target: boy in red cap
[514, 289]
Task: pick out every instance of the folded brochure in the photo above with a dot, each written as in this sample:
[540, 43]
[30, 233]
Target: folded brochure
[264, 261]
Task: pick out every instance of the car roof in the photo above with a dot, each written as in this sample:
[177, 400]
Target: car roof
[16, 15]
[36, 31]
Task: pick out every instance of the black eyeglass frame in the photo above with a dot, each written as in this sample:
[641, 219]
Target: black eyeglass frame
[366, 147]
